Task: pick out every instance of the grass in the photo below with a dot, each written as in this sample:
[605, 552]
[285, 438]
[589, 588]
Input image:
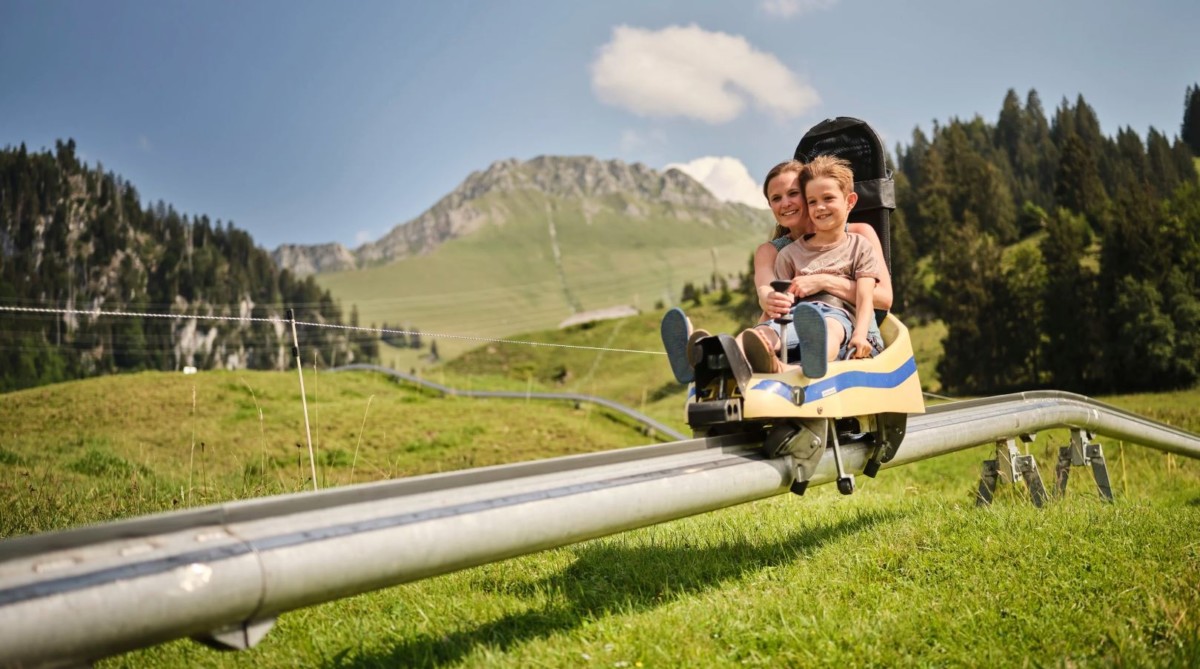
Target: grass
[906, 572]
[116, 446]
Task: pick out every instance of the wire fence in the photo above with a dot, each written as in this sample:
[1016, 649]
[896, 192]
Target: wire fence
[98, 313]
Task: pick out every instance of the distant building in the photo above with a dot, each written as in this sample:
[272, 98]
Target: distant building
[608, 313]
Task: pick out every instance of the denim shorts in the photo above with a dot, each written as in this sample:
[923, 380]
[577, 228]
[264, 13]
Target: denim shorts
[874, 338]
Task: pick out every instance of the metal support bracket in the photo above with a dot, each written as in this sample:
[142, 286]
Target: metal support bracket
[1080, 453]
[238, 636]
[845, 480]
[1012, 467]
[804, 443]
[887, 430]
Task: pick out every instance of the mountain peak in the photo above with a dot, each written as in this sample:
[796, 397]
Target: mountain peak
[627, 186]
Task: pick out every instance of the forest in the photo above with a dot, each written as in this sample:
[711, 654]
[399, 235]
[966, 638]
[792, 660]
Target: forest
[1057, 257]
[79, 239]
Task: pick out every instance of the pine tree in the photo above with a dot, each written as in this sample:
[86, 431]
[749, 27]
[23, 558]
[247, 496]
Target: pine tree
[1071, 351]
[1040, 154]
[1010, 127]
[933, 210]
[1160, 161]
[969, 288]
[1077, 185]
[1190, 131]
[1020, 315]
[1143, 348]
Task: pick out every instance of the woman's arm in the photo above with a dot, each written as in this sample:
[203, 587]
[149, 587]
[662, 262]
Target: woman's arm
[772, 303]
[882, 293]
[845, 288]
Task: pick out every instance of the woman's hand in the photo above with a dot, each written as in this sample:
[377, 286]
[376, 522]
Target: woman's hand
[774, 304]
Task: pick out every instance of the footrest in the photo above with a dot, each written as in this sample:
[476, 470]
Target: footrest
[713, 412]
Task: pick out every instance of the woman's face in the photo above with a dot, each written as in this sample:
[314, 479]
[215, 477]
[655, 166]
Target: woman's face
[786, 200]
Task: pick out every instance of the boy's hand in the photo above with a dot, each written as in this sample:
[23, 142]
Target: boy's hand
[859, 347]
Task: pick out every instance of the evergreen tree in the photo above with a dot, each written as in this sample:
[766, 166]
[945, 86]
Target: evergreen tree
[1185, 164]
[1161, 166]
[1072, 349]
[1141, 354]
[1020, 315]
[969, 288]
[1131, 156]
[933, 205]
[1010, 127]
[1077, 185]
[1040, 153]
[906, 289]
[1190, 131]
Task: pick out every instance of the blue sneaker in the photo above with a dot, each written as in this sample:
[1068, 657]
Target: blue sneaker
[810, 329]
[676, 328]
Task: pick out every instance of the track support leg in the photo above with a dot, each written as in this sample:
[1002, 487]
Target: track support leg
[238, 636]
[1011, 466]
[1083, 452]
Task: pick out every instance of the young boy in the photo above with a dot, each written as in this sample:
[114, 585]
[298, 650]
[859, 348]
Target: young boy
[826, 327]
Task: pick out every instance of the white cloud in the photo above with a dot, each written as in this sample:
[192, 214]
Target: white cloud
[688, 71]
[789, 8]
[726, 178]
[144, 144]
[363, 236]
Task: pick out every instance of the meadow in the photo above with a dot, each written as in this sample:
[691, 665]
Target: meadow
[906, 572]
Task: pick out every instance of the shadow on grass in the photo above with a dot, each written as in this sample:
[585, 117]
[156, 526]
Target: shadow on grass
[608, 578]
[669, 389]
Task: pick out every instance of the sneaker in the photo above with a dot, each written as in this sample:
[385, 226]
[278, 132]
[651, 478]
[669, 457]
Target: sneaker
[759, 352]
[676, 331]
[810, 329]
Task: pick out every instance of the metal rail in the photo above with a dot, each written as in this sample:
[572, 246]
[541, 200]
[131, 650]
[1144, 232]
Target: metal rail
[651, 424]
[222, 573]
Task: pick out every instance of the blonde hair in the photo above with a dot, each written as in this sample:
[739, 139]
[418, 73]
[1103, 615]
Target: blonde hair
[786, 166]
[830, 167]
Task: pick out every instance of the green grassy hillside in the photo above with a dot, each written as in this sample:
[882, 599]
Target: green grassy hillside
[507, 279]
[116, 446]
[906, 572]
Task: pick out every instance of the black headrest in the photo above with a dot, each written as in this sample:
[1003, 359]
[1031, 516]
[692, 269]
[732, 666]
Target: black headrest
[853, 140]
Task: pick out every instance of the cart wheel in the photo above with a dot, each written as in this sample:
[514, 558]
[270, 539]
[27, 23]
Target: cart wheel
[778, 439]
[846, 485]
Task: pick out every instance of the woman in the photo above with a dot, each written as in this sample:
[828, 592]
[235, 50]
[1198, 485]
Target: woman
[781, 188]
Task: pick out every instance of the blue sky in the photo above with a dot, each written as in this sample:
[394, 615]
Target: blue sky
[309, 122]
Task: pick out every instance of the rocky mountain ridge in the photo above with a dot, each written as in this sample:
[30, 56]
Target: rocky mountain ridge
[599, 184]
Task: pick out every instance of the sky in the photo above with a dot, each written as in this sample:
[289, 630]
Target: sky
[310, 122]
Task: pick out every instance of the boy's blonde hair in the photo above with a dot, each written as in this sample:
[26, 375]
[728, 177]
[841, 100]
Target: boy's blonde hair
[781, 168]
[830, 167]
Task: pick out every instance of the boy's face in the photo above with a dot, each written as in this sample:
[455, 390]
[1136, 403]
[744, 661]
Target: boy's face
[786, 200]
[828, 207]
